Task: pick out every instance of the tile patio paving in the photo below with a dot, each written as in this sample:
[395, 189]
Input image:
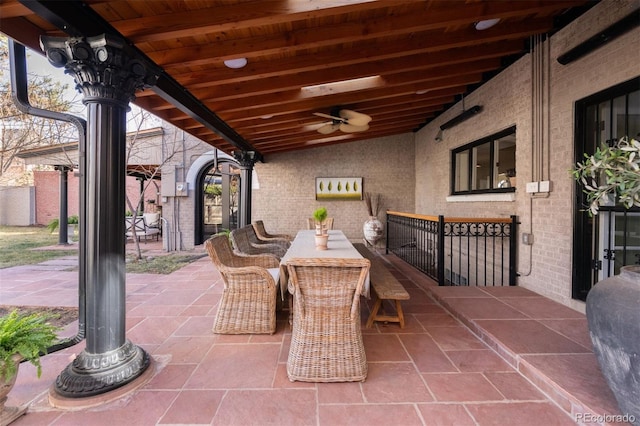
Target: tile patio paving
[467, 356]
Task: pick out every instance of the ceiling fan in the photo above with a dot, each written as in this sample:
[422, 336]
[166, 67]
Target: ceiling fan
[345, 120]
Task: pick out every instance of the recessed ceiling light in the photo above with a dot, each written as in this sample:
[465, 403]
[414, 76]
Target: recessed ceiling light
[236, 63]
[486, 24]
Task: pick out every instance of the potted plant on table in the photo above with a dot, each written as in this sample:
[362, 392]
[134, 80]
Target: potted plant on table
[613, 174]
[322, 235]
[23, 337]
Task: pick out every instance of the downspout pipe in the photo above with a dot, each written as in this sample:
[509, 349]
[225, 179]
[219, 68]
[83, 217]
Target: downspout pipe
[20, 96]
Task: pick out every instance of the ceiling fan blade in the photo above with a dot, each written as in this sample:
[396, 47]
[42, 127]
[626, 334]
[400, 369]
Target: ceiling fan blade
[330, 117]
[350, 128]
[355, 118]
[327, 128]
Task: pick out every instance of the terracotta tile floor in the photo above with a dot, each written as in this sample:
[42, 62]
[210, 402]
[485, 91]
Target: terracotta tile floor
[467, 356]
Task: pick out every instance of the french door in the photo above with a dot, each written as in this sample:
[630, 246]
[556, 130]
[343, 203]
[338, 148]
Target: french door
[610, 240]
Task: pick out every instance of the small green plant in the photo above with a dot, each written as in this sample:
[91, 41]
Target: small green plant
[320, 215]
[27, 336]
[611, 172]
[55, 223]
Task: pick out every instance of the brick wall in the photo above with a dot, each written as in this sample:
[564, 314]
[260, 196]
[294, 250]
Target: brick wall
[544, 267]
[47, 194]
[286, 194]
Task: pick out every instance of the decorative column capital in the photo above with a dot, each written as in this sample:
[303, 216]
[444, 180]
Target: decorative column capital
[62, 168]
[246, 159]
[103, 67]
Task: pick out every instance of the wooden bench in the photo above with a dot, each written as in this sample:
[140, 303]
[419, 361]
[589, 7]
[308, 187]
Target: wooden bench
[386, 287]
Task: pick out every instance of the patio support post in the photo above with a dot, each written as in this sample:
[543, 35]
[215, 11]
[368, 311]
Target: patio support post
[63, 234]
[108, 75]
[246, 161]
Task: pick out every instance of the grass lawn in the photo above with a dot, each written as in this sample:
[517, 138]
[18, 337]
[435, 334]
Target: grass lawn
[16, 243]
[165, 264]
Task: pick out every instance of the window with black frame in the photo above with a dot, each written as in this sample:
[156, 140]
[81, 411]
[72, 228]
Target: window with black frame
[485, 165]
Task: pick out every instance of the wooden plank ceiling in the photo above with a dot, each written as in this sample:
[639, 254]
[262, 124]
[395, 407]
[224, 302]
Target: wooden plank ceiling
[420, 57]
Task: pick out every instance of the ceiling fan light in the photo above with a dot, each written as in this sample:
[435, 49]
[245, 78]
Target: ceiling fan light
[486, 24]
[236, 63]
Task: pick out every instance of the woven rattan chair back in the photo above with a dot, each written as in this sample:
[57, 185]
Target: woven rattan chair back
[261, 232]
[326, 341]
[248, 303]
[242, 242]
[257, 242]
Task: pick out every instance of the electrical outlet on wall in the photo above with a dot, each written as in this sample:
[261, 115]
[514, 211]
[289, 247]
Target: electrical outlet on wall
[532, 187]
[545, 186]
[182, 189]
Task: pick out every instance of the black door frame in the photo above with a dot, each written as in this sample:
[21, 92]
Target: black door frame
[585, 256]
[199, 198]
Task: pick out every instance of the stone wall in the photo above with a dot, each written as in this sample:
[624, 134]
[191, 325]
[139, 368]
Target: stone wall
[545, 266]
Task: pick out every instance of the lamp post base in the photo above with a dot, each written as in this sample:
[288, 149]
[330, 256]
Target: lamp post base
[94, 374]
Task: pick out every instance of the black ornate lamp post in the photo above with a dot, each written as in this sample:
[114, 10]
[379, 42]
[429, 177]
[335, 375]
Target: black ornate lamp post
[63, 237]
[108, 75]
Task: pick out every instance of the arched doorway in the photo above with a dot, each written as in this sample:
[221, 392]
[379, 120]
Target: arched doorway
[217, 199]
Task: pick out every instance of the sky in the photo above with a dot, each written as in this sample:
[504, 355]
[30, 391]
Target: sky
[39, 65]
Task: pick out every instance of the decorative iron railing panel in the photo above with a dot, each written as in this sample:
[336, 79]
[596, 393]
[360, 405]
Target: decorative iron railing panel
[456, 251]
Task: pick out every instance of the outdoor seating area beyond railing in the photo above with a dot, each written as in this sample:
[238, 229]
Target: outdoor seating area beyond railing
[456, 251]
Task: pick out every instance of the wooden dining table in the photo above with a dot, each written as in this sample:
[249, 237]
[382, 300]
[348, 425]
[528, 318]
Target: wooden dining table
[303, 246]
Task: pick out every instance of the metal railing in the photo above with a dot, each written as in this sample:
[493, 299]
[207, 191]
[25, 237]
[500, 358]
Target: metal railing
[456, 251]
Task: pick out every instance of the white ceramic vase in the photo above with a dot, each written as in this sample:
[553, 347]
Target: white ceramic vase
[373, 230]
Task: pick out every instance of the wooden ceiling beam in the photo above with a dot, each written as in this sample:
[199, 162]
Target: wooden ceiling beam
[427, 21]
[308, 107]
[298, 100]
[220, 19]
[310, 132]
[296, 82]
[385, 55]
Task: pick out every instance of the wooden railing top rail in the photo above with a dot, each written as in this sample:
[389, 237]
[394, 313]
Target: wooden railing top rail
[413, 216]
[452, 219]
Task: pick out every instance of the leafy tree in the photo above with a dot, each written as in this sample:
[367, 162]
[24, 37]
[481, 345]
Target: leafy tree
[19, 131]
[138, 120]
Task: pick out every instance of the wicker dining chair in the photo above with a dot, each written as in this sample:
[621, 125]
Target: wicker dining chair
[248, 304]
[326, 337]
[253, 239]
[262, 234]
[245, 241]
